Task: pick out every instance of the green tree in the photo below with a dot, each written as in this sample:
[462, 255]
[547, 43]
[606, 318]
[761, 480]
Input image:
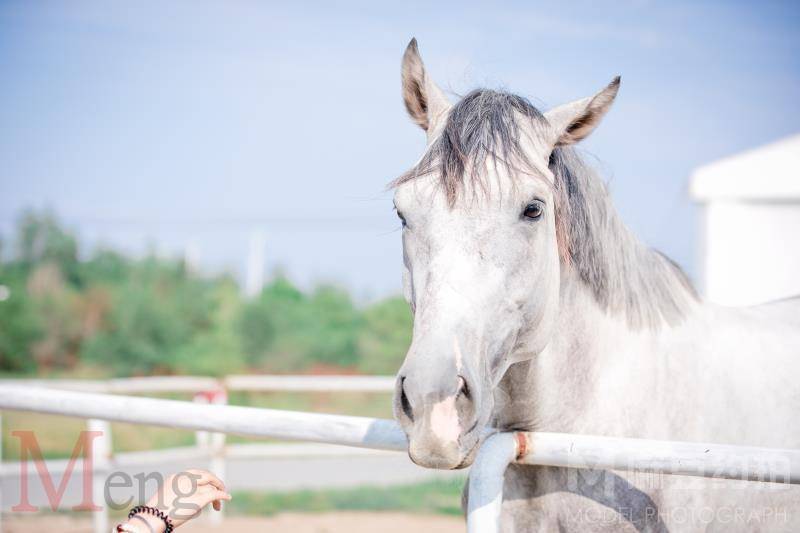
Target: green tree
[216, 350]
[267, 323]
[285, 330]
[128, 316]
[42, 239]
[155, 313]
[106, 266]
[20, 327]
[335, 327]
[60, 308]
[385, 336]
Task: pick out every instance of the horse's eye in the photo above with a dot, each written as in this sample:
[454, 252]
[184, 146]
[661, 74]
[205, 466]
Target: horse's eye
[402, 219]
[533, 211]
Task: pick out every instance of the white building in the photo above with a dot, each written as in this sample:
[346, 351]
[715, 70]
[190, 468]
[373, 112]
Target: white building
[749, 246]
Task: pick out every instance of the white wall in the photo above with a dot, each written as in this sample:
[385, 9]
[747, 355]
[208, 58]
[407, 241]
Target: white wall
[750, 251]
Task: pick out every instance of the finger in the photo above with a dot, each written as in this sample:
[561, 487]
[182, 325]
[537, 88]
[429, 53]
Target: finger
[222, 495]
[207, 478]
[216, 482]
[209, 494]
[219, 496]
[218, 503]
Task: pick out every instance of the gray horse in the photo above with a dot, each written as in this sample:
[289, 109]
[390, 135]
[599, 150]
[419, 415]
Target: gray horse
[535, 308]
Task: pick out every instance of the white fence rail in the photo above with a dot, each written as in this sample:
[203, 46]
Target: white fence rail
[606, 453]
[247, 421]
[266, 383]
[486, 476]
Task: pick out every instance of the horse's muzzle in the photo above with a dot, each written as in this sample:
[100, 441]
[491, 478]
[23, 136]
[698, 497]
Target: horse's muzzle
[440, 424]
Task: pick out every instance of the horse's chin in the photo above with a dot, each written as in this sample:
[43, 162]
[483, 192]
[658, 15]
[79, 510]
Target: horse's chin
[468, 446]
[469, 458]
[471, 442]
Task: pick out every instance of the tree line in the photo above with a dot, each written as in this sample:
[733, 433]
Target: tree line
[111, 314]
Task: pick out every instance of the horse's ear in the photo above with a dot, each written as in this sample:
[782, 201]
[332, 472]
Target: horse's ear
[576, 120]
[425, 102]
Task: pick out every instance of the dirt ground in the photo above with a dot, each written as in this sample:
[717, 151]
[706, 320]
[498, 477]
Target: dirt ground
[338, 522]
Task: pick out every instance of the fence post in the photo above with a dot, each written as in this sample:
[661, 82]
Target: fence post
[213, 443]
[217, 462]
[201, 437]
[101, 466]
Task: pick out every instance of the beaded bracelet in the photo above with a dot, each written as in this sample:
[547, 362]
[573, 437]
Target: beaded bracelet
[123, 528]
[139, 509]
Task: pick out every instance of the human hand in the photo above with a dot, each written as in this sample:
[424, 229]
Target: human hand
[182, 496]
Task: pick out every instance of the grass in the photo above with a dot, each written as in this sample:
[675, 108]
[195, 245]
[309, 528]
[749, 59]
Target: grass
[57, 435]
[441, 497]
[431, 497]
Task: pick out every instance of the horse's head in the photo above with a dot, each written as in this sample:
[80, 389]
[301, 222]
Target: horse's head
[482, 252]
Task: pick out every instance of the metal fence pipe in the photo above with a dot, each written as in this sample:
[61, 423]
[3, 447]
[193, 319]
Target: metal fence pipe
[249, 421]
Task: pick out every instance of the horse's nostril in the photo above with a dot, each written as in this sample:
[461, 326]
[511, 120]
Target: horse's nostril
[463, 388]
[404, 403]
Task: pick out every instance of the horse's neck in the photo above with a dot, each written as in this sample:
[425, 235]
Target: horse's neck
[601, 254]
[616, 297]
[561, 386]
[530, 392]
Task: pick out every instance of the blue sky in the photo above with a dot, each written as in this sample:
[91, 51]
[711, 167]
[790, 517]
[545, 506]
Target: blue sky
[175, 125]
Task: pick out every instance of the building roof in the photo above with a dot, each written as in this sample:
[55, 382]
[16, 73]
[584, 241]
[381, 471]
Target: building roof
[770, 172]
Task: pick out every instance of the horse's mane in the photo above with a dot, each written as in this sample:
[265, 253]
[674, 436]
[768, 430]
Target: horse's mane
[623, 275]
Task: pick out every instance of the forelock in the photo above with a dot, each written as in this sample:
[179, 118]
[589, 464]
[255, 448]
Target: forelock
[485, 125]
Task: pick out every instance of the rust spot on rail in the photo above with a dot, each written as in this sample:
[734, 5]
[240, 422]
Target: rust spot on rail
[522, 444]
